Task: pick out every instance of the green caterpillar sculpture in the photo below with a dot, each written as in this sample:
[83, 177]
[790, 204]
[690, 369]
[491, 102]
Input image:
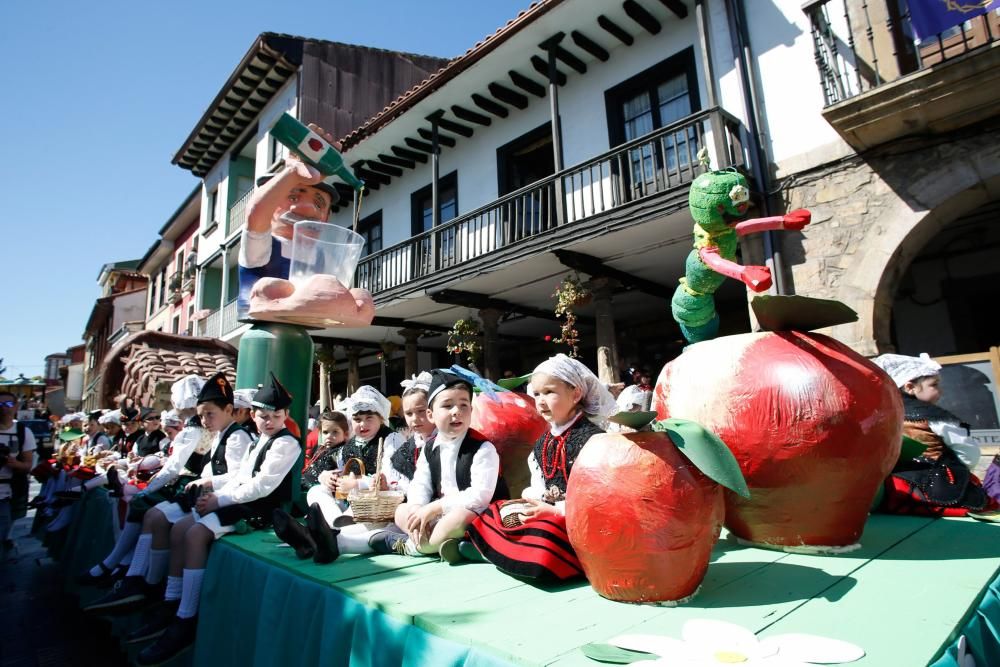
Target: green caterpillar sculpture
[717, 200]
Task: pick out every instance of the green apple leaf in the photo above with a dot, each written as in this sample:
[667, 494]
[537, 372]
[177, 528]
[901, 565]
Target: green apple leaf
[706, 451]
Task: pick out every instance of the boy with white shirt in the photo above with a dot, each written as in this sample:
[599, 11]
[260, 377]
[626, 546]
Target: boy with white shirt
[457, 475]
[263, 483]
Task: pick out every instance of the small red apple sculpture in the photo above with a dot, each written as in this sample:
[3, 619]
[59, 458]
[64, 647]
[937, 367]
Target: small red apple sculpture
[509, 420]
[815, 428]
[642, 515]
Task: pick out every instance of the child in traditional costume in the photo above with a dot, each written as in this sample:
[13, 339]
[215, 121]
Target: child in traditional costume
[939, 482]
[322, 465]
[457, 476]
[400, 466]
[527, 538]
[152, 558]
[263, 482]
[188, 454]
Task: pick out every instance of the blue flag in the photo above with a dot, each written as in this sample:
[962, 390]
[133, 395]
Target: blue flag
[932, 17]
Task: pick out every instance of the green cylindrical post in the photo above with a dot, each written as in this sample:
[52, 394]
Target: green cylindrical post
[287, 350]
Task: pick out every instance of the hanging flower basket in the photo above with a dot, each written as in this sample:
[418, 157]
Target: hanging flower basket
[465, 337]
[570, 294]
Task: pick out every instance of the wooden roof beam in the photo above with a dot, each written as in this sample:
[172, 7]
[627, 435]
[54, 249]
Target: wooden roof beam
[383, 168]
[527, 84]
[542, 68]
[508, 96]
[396, 161]
[615, 30]
[443, 139]
[455, 128]
[419, 145]
[488, 105]
[679, 9]
[407, 154]
[469, 115]
[590, 46]
[641, 15]
[594, 266]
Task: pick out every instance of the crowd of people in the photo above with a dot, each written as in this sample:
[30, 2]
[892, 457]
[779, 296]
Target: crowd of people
[222, 461]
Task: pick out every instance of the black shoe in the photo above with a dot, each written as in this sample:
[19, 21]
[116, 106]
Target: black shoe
[114, 483]
[125, 597]
[470, 552]
[101, 580]
[161, 617]
[324, 537]
[388, 542]
[343, 520]
[70, 494]
[293, 533]
[449, 552]
[36, 502]
[177, 638]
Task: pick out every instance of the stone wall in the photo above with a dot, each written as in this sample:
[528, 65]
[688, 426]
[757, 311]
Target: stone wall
[873, 213]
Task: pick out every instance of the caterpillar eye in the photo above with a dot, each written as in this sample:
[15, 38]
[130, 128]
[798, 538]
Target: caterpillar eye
[739, 195]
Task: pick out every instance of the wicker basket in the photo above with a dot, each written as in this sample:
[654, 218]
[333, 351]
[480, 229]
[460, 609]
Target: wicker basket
[375, 506]
[512, 512]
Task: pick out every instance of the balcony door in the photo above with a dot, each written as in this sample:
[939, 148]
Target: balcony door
[526, 160]
[653, 99]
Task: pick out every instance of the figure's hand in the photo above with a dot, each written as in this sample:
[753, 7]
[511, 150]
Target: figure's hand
[539, 509]
[757, 278]
[796, 220]
[207, 504]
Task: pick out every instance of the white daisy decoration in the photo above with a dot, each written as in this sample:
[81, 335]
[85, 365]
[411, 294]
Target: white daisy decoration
[705, 642]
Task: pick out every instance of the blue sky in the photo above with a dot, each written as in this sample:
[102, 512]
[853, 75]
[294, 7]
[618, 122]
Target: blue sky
[96, 99]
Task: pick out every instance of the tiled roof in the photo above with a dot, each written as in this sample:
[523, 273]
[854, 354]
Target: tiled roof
[145, 365]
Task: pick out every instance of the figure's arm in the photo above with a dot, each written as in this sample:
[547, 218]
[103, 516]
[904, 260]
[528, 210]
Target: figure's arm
[275, 192]
[793, 220]
[757, 278]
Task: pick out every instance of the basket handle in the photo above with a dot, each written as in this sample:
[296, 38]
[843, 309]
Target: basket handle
[361, 464]
[376, 480]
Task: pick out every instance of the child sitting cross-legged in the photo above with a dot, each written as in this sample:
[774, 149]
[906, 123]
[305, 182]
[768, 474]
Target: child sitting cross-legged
[457, 476]
[263, 482]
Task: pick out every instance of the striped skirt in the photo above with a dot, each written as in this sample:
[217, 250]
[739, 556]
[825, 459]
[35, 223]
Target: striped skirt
[537, 550]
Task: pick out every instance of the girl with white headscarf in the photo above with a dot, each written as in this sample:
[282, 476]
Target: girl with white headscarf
[570, 398]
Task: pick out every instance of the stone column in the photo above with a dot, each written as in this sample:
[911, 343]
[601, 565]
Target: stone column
[353, 373]
[490, 318]
[607, 347]
[410, 336]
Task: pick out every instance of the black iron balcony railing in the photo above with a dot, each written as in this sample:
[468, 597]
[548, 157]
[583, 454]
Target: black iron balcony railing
[649, 165]
[862, 44]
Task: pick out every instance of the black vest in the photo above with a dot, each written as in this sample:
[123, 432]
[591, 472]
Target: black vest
[130, 440]
[219, 465]
[101, 437]
[284, 491]
[404, 459]
[149, 443]
[356, 448]
[576, 437]
[463, 467]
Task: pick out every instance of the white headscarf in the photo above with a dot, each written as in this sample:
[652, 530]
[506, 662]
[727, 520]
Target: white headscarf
[902, 368]
[596, 400]
[111, 417]
[170, 417]
[242, 398]
[184, 392]
[368, 399]
[421, 381]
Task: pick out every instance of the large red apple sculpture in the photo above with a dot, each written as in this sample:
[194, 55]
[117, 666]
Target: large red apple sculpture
[815, 428]
[642, 515]
[509, 420]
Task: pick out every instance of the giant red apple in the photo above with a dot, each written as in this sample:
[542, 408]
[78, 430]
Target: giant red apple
[641, 517]
[509, 420]
[815, 428]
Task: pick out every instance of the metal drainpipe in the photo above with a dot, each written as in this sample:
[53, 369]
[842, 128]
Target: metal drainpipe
[758, 153]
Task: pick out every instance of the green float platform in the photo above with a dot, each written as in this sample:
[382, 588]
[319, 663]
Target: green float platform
[905, 596]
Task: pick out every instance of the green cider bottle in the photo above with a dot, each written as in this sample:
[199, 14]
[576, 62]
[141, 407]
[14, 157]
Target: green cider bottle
[313, 149]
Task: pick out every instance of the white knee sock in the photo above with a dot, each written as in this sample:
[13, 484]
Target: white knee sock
[126, 542]
[141, 558]
[175, 587]
[127, 558]
[191, 594]
[159, 561]
[354, 542]
[327, 503]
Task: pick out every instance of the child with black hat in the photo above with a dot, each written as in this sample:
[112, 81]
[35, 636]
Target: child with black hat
[457, 475]
[263, 482]
[97, 439]
[293, 190]
[152, 440]
[166, 522]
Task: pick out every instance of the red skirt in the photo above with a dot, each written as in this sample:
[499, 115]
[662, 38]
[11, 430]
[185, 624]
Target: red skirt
[901, 498]
[538, 549]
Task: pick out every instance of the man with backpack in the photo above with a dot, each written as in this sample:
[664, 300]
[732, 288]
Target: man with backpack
[17, 446]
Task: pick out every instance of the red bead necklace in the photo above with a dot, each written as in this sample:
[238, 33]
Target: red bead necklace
[555, 460]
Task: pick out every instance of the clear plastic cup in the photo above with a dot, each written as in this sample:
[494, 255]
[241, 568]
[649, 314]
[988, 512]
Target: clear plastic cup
[323, 247]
